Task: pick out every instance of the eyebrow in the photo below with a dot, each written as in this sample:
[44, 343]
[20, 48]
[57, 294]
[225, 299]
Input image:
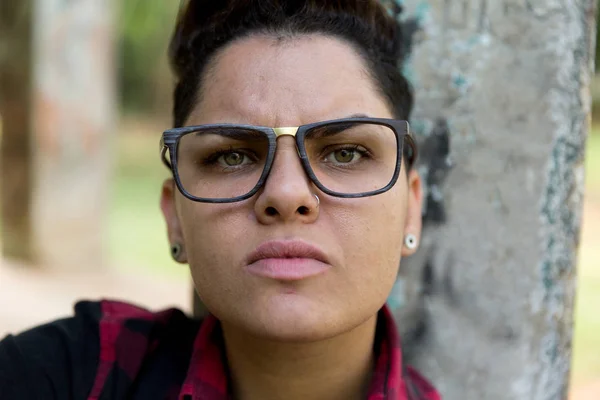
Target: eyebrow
[358, 116]
[244, 134]
[336, 128]
[233, 132]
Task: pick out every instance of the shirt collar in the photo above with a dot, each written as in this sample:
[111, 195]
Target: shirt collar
[207, 376]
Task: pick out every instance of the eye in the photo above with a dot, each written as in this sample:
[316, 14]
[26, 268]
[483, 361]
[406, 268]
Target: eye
[347, 155]
[233, 159]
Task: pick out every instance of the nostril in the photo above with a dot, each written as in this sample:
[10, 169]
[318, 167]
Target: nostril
[271, 211]
[303, 210]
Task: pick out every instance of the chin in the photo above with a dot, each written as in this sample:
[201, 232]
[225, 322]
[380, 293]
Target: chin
[295, 320]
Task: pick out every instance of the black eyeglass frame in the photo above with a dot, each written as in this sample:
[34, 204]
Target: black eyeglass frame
[171, 138]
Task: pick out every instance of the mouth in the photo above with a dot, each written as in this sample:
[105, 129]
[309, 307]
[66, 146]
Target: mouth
[287, 261]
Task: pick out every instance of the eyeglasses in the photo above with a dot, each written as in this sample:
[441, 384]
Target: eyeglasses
[349, 158]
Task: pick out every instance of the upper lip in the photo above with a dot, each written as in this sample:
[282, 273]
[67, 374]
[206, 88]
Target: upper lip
[286, 249]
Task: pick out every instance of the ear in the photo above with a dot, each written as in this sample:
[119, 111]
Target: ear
[414, 221]
[169, 210]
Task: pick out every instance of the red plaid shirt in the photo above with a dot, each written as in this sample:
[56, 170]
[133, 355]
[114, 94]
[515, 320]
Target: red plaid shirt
[206, 377]
[111, 350]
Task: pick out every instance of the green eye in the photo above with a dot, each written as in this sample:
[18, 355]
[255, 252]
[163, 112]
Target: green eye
[345, 156]
[233, 159]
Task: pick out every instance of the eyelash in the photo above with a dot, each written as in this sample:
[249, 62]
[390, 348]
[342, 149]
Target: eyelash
[355, 147]
[214, 157]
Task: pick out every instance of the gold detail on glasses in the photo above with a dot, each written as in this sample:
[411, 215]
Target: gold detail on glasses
[290, 131]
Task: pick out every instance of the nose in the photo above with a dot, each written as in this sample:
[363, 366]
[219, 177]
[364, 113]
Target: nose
[288, 194]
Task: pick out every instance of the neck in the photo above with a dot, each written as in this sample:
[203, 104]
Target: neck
[336, 368]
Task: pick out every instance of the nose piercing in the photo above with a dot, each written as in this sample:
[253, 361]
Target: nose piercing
[318, 201]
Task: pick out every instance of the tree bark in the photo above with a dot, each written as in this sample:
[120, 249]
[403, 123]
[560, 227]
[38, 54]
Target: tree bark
[486, 307]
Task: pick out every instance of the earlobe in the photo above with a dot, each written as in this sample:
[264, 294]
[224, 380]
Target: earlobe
[413, 222]
[169, 211]
[178, 253]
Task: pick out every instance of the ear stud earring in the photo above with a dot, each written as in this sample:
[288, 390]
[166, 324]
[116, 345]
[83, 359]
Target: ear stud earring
[176, 251]
[410, 241]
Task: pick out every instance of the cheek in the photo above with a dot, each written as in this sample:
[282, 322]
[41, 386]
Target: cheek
[371, 235]
[215, 239]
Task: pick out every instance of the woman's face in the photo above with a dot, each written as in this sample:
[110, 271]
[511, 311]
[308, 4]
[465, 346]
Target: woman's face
[268, 82]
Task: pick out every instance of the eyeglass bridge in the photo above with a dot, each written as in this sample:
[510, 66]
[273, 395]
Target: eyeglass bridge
[286, 131]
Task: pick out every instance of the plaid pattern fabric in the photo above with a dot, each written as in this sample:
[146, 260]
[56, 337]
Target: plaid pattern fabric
[128, 339]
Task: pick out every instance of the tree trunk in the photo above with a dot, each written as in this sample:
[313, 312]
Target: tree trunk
[486, 307]
[74, 114]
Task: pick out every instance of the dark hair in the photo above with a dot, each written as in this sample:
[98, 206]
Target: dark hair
[206, 26]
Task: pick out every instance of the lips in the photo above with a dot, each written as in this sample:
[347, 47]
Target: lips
[286, 249]
[287, 260]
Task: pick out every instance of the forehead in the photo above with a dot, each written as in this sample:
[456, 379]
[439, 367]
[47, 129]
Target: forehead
[263, 80]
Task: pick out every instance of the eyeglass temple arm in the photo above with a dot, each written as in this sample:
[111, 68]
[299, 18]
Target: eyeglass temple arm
[412, 152]
[163, 154]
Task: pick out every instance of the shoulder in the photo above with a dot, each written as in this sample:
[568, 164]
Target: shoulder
[38, 362]
[60, 360]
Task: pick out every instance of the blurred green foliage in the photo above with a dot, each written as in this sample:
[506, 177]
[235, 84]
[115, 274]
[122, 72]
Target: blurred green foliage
[145, 28]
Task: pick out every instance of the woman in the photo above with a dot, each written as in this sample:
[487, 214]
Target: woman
[293, 200]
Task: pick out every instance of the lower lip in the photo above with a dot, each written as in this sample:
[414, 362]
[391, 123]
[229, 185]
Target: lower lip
[287, 269]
